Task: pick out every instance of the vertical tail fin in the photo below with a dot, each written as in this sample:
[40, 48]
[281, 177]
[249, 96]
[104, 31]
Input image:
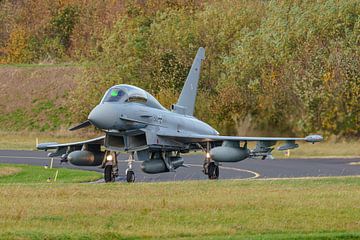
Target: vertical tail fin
[186, 101]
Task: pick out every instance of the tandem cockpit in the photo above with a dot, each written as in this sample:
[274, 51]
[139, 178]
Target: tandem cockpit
[125, 93]
[130, 94]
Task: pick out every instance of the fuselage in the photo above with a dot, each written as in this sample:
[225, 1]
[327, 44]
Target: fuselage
[137, 109]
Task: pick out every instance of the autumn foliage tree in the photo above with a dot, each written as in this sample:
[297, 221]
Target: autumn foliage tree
[280, 67]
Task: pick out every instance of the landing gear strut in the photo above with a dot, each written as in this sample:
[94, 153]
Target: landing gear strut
[130, 175]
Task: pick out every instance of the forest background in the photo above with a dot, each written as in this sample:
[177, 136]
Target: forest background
[273, 67]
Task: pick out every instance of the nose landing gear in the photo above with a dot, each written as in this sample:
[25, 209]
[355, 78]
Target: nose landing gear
[130, 175]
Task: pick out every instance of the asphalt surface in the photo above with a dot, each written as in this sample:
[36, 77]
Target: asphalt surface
[247, 169]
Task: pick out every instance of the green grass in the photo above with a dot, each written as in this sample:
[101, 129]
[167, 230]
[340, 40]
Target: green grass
[43, 116]
[252, 209]
[36, 174]
[111, 235]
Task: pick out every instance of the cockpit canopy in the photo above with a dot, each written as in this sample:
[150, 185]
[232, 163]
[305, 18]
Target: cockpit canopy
[125, 93]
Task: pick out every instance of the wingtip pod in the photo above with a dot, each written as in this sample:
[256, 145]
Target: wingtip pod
[44, 146]
[314, 138]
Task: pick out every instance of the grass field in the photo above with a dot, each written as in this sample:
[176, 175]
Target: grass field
[9, 170]
[33, 174]
[252, 209]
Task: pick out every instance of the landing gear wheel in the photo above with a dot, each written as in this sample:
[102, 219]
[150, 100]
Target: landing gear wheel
[108, 173]
[130, 176]
[213, 171]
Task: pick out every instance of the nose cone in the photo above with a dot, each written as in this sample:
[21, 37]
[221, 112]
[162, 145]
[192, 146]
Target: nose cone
[104, 116]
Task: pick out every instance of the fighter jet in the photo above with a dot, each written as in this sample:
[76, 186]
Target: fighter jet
[135, 122]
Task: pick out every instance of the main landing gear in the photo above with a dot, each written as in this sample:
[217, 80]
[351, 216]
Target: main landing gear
[213, 170]
[108, 175]
[110, 165]
[210, 168]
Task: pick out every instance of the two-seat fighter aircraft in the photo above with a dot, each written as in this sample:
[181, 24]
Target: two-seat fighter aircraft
[135, 122]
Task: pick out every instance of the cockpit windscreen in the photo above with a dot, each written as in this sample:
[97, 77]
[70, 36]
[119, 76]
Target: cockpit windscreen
[115, 95]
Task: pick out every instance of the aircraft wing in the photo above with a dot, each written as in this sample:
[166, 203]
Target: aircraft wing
[64, 147]
[193, 138]
[54, 145]
[263, 144]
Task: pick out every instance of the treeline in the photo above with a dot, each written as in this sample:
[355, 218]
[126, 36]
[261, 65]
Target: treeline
[280, 67]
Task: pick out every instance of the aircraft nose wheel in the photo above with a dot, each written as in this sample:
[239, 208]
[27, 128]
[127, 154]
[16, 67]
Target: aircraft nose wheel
[213, 171]
[130, 176]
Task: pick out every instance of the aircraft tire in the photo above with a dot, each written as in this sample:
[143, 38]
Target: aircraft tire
[130, 176]
[213, 171]
[108, 176]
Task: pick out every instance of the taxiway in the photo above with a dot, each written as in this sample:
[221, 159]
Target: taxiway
[247, 169]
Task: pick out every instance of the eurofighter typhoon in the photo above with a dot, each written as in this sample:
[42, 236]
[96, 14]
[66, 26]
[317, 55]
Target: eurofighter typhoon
[135, 122]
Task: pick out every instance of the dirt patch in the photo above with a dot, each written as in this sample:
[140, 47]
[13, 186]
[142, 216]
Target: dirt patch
[7, 171]
[22, 87]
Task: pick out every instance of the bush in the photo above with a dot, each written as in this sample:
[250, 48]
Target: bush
[62, 25]
[17, 48]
